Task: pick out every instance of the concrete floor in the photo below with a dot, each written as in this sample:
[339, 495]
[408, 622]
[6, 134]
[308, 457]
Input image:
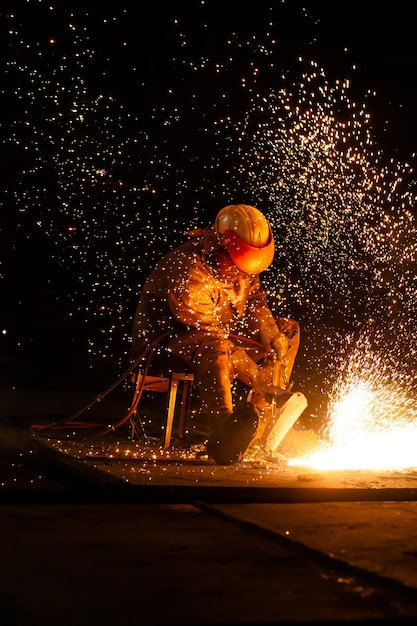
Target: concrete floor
[113, 532]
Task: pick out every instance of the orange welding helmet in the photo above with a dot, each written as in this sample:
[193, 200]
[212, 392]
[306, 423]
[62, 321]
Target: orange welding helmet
[247, 235]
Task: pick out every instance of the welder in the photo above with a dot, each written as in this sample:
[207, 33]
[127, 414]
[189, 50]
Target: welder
[207, 294]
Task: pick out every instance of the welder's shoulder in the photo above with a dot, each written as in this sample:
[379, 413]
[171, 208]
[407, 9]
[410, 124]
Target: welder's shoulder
[185, 255]
[175, 265]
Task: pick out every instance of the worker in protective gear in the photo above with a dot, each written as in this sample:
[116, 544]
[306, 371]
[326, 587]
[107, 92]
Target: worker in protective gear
[208, 295]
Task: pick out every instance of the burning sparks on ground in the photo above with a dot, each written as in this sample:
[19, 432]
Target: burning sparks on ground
[372, 418]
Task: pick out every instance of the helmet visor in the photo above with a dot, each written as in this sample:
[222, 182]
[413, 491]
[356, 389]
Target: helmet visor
[249, 259]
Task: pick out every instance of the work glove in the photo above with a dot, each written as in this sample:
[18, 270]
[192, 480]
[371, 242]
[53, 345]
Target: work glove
[275, 342]
[280, 345]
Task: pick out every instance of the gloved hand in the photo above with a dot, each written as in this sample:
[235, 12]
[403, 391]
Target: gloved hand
[280, 345]
[275, 342]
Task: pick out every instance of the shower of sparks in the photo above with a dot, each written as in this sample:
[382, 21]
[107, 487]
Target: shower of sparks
[372, 417]
[118, 161]
[343, 213]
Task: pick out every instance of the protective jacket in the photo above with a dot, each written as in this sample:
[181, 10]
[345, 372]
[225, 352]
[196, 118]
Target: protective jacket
[184, 293]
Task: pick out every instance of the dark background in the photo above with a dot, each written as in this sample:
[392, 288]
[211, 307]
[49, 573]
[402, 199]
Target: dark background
[145, 61]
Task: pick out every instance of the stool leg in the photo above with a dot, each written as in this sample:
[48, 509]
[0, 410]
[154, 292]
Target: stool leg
[137, 428]
[171, 411]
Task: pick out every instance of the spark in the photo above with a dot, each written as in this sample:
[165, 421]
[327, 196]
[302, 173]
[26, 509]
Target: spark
[372, 417]
[113, 175]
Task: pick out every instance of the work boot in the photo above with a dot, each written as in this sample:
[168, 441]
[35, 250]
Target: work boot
[232, 434]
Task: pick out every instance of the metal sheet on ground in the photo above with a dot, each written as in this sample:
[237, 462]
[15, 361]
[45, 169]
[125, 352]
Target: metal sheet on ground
[375, 536]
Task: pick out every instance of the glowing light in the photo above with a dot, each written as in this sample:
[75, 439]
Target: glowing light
[390, 450]
[372, 418]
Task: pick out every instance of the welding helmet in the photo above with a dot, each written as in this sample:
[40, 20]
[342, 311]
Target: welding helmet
[247, 235]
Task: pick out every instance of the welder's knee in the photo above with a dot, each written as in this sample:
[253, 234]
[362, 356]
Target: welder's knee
[288, 326]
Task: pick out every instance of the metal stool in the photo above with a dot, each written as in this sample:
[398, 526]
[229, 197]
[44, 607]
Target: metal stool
[169, 385]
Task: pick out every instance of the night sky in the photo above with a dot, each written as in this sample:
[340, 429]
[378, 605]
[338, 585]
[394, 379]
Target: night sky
[126, 124]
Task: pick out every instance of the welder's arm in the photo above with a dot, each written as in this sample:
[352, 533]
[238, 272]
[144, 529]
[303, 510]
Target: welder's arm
[260, 319]
[274, 341]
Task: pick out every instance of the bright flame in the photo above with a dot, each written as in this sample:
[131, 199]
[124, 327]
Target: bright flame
[372, 419]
